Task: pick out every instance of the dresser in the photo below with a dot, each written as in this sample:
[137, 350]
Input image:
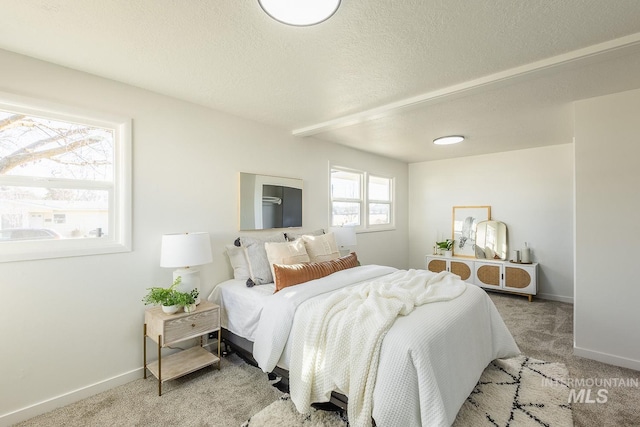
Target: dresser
[505, 276]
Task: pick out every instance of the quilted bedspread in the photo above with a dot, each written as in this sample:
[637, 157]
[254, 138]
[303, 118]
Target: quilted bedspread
[429, 360]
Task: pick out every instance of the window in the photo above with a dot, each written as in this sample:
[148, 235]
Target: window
[361, 199]
[59, 218]
[65, 181]
[379, 200]
[346, 198]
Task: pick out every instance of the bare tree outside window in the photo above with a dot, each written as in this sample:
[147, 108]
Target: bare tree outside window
[65, 180]
[53, 169]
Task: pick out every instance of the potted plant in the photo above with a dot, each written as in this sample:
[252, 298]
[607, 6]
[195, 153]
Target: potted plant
[169, 298]
[445, 247]
[187, 300]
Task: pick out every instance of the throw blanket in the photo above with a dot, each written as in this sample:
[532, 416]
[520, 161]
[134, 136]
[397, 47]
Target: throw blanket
[339, 347]
[277, 316]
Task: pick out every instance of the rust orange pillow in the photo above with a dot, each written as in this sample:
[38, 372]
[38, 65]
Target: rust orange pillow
[294, 274]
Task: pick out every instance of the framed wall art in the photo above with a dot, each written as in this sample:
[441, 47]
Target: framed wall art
[465, 219]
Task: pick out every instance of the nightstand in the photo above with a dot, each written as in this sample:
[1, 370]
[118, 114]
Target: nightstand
[167, 329]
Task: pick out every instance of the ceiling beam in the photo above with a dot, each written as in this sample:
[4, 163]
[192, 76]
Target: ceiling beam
[576, 58]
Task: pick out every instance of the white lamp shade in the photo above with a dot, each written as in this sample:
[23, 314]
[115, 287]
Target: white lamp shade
[185, 250]
[345, 236]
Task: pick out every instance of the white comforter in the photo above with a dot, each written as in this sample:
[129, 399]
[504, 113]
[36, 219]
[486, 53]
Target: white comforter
[429, 361]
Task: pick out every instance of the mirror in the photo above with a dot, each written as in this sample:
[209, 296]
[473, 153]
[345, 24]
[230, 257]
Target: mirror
[269, 202]
[491, 240]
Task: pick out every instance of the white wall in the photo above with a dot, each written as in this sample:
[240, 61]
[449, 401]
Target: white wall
[607, 288]
[73, 326]
[529, 190]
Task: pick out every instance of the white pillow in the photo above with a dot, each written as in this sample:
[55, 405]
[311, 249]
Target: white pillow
[257, 257]
[293, 235]
[489, 253]
[286, 253]
[238, 259]
[321, 248]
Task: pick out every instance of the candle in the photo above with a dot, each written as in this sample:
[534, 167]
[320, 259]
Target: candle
[526, 254]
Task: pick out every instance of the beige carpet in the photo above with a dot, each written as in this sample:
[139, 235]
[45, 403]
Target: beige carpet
[283, 413]
[205, 398]
[511, 392]
[542, 329]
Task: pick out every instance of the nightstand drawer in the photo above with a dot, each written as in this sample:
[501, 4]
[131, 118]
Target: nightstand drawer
[190, 326]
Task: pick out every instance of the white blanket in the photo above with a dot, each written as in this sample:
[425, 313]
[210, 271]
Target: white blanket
[338, 348]
[429, 361]
[278, 313]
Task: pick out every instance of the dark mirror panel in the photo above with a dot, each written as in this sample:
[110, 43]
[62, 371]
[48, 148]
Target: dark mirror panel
[269, 202]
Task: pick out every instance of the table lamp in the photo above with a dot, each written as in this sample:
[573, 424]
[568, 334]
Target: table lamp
[345, 237]
[184, 251]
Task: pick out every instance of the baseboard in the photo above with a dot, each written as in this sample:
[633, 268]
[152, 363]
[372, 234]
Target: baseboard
[607, 358]
[67, 398]
[553, 297]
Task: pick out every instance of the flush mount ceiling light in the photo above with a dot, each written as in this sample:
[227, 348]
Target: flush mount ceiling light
[300, 12]
[448, 140]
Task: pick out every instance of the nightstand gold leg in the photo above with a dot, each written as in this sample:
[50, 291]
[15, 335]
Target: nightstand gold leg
[530, 298]
[144, 348]
[159, 365]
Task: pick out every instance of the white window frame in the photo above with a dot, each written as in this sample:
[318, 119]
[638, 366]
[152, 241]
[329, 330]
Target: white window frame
[119, 238]
[364, 200]
[390, 202]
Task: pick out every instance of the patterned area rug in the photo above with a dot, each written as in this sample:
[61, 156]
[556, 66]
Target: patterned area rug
[517, 392]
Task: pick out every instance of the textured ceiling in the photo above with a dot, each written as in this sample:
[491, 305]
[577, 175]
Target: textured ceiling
[503, 73]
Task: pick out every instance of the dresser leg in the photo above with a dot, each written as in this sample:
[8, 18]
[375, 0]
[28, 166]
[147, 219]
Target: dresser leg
[530, 298]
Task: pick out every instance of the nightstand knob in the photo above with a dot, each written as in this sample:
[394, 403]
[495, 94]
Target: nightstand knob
[193, 325]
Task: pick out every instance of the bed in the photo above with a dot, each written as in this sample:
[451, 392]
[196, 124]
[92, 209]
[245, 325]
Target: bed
[427, 364]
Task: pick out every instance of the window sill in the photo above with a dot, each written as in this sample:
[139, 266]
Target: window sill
[35, 250]
[375, 229]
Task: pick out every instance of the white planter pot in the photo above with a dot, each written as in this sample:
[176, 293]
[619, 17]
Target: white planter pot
[170, 309]
[189, 308]
[448, 254]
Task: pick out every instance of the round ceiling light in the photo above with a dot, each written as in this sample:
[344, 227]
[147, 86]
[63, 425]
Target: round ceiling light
[300, 12]
[448, 140]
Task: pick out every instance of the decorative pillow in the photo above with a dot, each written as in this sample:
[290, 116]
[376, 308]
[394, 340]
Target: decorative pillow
[238, 260]
[489, 253]
[293, 235]
[257, 258]
[286, 253]
[290, 275]
[321, 248]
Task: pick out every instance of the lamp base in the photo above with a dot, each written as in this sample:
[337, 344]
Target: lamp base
[189, 280]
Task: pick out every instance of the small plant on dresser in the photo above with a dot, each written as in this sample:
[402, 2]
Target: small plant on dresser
[445, 247]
